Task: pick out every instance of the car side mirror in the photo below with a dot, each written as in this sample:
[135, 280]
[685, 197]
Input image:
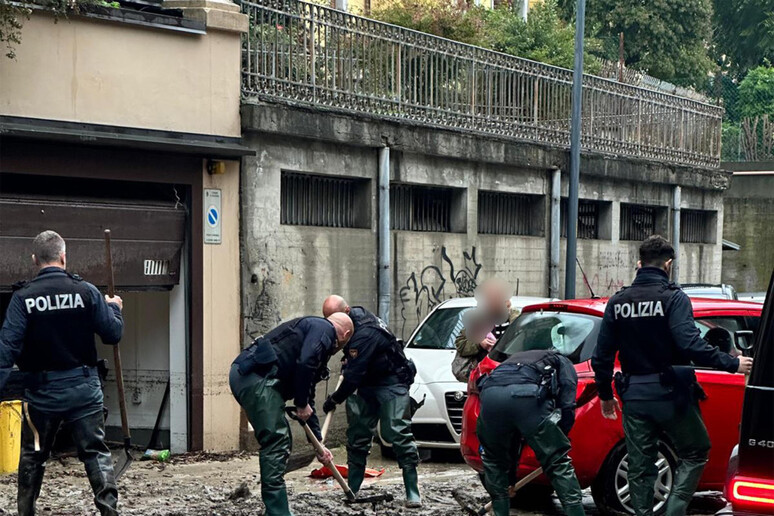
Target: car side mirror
[743, 339]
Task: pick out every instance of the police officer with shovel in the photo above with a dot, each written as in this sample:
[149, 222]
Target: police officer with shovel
[518, 400]
[285, 364]
[650, 326]
[49, 333]
[377, 377]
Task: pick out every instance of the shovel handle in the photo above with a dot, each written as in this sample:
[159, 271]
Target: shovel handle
[518, 485]
[111, 289]
[321, 451]
[329, 415]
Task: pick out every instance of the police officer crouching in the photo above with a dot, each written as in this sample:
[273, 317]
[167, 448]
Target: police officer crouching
[49, 333]
[650, 325]
[517, 401]
[285, 364]
[379, 371]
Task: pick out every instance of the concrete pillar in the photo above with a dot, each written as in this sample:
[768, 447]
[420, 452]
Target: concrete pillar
[676, 199]
[555, 233]
[383, 258]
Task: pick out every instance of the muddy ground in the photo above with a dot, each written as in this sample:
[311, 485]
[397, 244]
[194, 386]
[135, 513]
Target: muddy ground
[202, 484]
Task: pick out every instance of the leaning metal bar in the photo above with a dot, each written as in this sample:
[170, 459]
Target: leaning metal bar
[303, 53]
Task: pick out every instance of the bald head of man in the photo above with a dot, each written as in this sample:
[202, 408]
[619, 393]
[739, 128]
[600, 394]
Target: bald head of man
[334, 304]
[344, 328]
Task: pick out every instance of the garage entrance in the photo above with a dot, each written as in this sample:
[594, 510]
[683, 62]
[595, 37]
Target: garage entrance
[148, 222]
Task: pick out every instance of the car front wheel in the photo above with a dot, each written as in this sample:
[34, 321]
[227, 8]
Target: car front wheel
[611, 487]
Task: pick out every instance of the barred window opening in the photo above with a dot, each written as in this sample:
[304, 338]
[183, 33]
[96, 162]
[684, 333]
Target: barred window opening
[696, 226]
[313, 200]
[420, 208]
[589, 212]
[501, 213]
[638, 221]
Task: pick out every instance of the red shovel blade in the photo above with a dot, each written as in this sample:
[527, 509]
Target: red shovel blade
[324, 472]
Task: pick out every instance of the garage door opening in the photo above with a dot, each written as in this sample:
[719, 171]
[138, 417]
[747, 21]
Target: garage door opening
[150, 225]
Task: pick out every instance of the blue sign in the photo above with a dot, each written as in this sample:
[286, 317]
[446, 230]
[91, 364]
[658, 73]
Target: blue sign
[212, 216]
[212, 225]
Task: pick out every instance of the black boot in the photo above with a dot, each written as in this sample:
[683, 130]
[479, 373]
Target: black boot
[89, 436]
[39, 428]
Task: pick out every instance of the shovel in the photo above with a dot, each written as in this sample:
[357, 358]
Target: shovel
[125, 460]
[329, 415]
[351, 498]
[512, 491]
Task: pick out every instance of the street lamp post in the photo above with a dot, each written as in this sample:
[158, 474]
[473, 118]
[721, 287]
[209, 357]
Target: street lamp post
[575, 154]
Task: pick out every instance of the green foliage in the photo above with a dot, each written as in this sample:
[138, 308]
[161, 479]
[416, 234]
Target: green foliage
[668, 39]
[744, 34]
[756, 92]
[544, 37]
[11, 22]
[730, 144]
[13, 14]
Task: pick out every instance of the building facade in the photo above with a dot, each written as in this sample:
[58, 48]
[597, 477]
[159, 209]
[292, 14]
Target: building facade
[128, 120]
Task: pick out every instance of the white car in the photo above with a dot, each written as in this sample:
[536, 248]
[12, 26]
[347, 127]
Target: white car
[438, 422]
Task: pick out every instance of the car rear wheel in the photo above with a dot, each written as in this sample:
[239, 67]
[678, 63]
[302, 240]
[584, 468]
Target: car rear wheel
[611, 487]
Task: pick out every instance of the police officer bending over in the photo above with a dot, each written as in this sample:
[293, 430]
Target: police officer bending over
[517, 400]
[285, 364]
[650, 325]
[378, 370]
[49, 333]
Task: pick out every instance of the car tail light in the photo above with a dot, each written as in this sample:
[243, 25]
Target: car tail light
[751, 491]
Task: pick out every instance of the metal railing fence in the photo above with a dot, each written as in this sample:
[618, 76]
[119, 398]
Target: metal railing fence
[310, 54]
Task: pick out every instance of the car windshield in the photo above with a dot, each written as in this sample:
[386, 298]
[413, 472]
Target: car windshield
[564, 332]
[440, 329]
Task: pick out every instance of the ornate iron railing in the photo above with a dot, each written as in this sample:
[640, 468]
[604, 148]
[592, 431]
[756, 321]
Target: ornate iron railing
[306, 53]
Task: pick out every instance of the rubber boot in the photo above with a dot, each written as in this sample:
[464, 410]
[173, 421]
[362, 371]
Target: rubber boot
[574, 510]
[411, 482]
[89, 436]
[30, 482]
[501, 507]
[355, 478]
[276, 502]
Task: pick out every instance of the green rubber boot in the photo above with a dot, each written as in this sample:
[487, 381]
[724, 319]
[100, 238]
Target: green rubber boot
[501, 507]
[355, 478]
[574, 510]
[411, 481]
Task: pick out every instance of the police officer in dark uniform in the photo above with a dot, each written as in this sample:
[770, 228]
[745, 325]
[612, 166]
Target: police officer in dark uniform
[650, 326]
[379, 371]
[285, 364]
[518, 400]
[49, 333]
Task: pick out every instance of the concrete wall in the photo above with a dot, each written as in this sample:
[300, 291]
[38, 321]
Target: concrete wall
[85, 70]
[749, 207]
[287, 270]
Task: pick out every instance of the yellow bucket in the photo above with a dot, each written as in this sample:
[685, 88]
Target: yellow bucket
[10, 435]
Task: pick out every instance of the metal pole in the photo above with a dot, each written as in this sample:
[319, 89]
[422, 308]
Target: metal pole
[575, 155]
[676, 197]
[383, 279]
[556, 230]
[524, 9]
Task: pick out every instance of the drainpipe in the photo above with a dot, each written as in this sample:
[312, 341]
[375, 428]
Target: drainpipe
[676, 232]
[383, 279]
[554, 245]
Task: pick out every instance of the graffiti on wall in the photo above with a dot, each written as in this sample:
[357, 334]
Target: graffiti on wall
[427, 288]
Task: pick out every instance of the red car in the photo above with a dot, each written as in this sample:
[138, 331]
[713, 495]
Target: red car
[598, 450]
